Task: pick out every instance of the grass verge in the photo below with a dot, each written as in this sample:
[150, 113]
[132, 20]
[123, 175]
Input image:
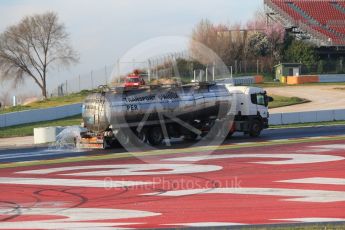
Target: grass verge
[280, 101]
[28, 129]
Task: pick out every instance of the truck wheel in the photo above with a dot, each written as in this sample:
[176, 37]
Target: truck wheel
[190, 136]
[255, 128]
[142, 136]
[123, 138]
[155, 136]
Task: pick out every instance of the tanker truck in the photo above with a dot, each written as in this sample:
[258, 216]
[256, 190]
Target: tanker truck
[152, 114]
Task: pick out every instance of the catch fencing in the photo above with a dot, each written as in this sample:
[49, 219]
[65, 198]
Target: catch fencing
[87, 81]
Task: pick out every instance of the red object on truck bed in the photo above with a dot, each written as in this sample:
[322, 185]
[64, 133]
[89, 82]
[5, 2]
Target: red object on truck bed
[134, 80]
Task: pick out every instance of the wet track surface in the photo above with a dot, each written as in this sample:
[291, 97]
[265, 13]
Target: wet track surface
[44, 153]
[285, 176]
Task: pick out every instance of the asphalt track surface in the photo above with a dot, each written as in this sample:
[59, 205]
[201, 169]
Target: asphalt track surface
[285, 176]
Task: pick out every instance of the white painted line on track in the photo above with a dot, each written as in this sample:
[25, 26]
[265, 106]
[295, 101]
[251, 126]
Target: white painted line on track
[127, 169]
[245, 143]
[312, 219]
[278, 140]
[71, 182]
[75, 218]
[315, 137]
[317, 180]
[301, 195]
[332, 146]
[285, 158]
[207, 224]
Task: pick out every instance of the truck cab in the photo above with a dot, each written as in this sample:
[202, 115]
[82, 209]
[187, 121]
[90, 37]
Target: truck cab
[251, 114]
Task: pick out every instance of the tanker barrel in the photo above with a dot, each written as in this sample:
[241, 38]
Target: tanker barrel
[187, 103]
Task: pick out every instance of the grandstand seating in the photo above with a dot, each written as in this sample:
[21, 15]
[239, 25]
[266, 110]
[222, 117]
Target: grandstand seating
[324, 18]
[339, 29]
[341, 3]
[285, 7]
[322, 11]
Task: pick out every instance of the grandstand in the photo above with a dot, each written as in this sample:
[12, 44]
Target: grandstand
[320, 21]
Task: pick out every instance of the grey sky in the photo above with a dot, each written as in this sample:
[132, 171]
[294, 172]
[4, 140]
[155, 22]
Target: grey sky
[103, 30]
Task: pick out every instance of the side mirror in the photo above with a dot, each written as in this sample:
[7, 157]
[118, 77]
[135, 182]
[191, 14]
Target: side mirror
[270, 99]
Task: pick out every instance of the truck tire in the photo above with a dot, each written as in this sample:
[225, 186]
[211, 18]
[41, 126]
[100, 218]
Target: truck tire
[190, 136]
[123, 138]
[155, 136]
[255, 128]
[142, 136]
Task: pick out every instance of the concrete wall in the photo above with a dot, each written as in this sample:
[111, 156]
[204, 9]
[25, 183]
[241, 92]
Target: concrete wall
[246, 80]
[332, 78]
[305, 117]
[37, 115]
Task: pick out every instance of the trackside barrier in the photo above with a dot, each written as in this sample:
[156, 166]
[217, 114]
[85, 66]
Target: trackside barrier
[296, 80]
[305, 117]
[243, 80]
[332, 78]
[248, 80]
[37, 115]
[325, 78]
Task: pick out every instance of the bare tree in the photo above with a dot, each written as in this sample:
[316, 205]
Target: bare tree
[241, 44]
[5, 99]
[227, 41]
[32, 47]
[204, 34]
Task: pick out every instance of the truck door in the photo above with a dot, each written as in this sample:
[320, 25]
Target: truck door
[260, 104]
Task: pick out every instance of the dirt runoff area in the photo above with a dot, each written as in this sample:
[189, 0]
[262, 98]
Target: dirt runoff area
[322, 97]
